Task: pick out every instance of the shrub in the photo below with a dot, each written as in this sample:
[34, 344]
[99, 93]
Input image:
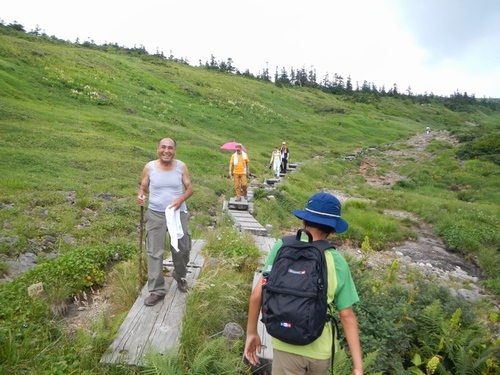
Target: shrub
[405, 184]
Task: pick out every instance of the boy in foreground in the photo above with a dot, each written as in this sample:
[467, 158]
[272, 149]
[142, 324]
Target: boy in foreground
[321, 218]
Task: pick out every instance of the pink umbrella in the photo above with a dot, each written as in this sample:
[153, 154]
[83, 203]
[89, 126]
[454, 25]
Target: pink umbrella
[231, 146]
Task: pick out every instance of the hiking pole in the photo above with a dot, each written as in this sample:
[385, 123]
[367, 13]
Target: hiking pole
[141, 226]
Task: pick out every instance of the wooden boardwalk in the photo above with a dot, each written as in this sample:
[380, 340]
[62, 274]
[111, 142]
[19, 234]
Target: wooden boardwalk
[265, 245]
[247, 223]
[157, 327]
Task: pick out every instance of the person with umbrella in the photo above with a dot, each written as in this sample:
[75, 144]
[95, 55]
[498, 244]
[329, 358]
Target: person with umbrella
[239, 170]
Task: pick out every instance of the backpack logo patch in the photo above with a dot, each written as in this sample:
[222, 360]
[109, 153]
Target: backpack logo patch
[302, 272]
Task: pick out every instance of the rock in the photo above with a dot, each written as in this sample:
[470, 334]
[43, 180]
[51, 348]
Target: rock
[10, 240]
[105, 196]
[68, 239]
[50, 239]
[70, 196]
[24, 263]
[469, 295]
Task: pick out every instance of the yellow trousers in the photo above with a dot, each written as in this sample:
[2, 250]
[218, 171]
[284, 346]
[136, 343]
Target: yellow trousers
[240, 179]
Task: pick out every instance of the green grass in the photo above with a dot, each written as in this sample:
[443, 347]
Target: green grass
[79, 124]
[368, 221]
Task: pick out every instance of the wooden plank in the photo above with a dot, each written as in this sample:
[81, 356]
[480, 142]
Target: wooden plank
[133, 335]
[243, 217]
[195, 257]
[241, 205]
[168, 325]
[247, 218]
[264, 243]
[247, 222]
[158, 327]
[240, 215]
[265, 338]
[256, 231]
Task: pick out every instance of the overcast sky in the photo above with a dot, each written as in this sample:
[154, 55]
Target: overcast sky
[437, 46]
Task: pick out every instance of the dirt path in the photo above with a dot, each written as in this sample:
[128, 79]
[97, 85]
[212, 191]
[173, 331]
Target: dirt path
[428, 254]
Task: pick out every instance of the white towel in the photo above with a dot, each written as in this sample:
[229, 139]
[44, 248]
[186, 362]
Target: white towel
[235, 159]
[174, 226]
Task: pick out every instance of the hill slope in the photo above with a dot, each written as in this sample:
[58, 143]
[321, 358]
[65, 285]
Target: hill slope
[79, 123]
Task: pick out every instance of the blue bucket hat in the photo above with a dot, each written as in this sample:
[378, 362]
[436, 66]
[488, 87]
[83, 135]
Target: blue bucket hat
[323, 208]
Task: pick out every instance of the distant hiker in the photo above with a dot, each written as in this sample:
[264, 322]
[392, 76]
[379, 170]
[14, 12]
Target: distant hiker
[428, 130]
[239, 170]
[320, 218]
[285, 157]
[275, 162]
[169, 185]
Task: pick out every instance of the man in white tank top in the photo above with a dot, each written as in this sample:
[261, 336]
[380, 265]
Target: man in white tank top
[167, 180]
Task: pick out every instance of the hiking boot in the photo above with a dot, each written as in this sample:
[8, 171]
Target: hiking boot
[182, 285]
[153, 299]
[238, 199]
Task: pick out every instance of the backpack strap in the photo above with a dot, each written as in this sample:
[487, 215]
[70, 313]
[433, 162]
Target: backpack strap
[332, 286]
[323, 245]
[298, 236]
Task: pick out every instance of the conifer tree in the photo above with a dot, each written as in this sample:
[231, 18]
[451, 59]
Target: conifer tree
[348, 85]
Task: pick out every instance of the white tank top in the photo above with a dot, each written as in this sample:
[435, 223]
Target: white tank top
[164, 187]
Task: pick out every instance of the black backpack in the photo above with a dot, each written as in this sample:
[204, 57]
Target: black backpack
[294, 292]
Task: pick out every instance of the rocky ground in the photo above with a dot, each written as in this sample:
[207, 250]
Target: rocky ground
[428, 254]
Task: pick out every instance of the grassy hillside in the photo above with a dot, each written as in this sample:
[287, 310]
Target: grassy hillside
[83, 120]
[77, 126]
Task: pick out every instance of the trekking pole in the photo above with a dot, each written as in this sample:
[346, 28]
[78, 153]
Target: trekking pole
[141, 226]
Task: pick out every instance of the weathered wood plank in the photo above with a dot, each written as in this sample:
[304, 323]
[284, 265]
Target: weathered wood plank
[195, 257]
[168, 325]
[247, 222]
[264, 244]
[246, 219]
[158, 327]
[265, 338]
